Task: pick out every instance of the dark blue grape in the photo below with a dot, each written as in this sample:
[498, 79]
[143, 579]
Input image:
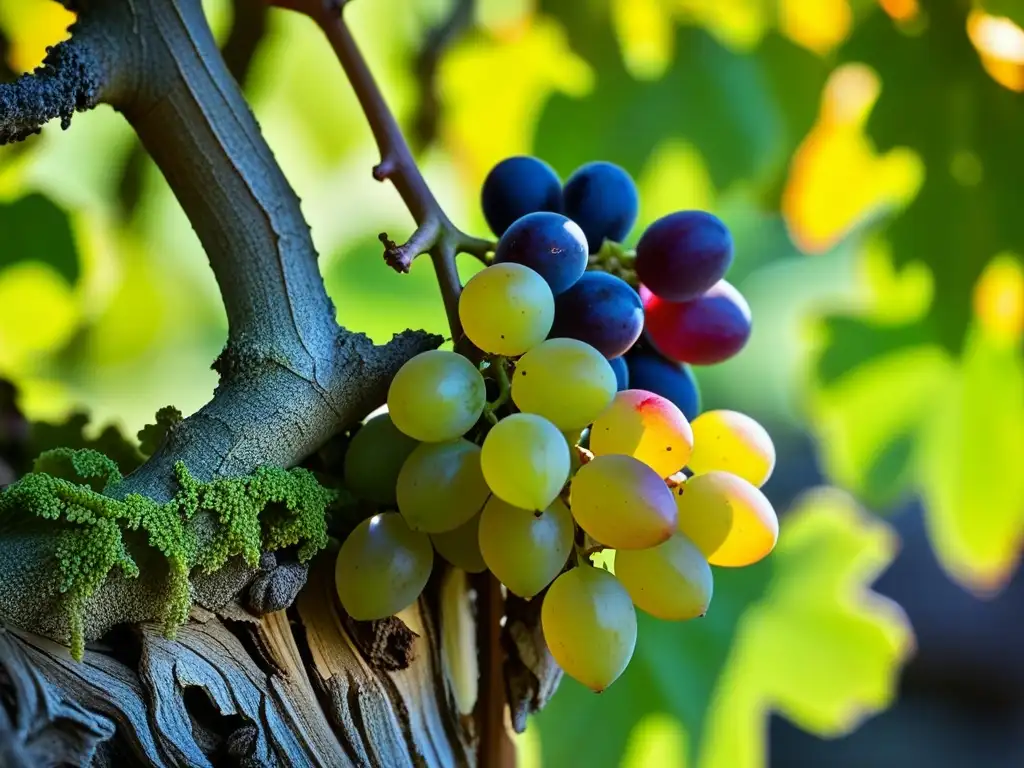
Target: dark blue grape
[517, 186]
[602, 310]
[602, 199]
[548, 243]
[674, 381]
[621, 372]
[682, 255]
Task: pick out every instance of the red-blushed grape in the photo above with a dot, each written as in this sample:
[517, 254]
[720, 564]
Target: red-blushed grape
[567, 382]
[436, 396]
[524, 550]
[622, 503]
[728, 519]
[704, 331]
[506, 309]
[441, 486]
[589, 625]
[525, 461]
[382, 567]
[732, 442]
[670, 581]
[647, 427]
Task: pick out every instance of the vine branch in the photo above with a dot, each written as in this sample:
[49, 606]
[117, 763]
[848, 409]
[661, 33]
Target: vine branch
[435, 233]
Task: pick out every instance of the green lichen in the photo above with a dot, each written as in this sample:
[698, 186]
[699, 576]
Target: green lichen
[268, 510]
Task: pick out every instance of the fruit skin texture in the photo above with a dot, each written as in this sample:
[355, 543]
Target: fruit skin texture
[564, 380]
[525, 551]
[622, 503]
[674, 381]
[708, 330]
[525, 460]
[682, 255]
[441, 486]
[461, 546]
[602, 198]
[732, 442]
[728, 519]
[436, 396]
[601, 310]
[549, 244]
[517, 186]
[671, 581]
[382, 567]
[589, 625]
[647, 427]
[506, 309]
[375, 457]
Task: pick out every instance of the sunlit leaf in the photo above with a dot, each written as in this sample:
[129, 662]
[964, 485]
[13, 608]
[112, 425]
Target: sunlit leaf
[32, 25]
[818, 25]
[798, 633]
[38, 313]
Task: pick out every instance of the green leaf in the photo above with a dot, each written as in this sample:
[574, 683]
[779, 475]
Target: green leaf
[35, 229]
[1013, 9]
[938, 100]
[798, 633]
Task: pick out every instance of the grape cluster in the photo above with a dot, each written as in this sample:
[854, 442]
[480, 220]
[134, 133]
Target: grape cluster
[541, 455]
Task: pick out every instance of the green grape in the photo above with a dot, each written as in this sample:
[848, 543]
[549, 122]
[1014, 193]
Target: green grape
[524, 550]
[622, 503]
[382, 567]
[461, 546]
[525, 461]
[728, 519]
[436, 396]
[567, 382]
[589, 626]
[647, 427]
[441, 486]
[506, 309]
[732, 442]
[374, 459]
[670, 581]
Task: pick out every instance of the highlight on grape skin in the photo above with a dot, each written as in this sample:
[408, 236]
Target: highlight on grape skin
[461, 546]
[548, 243]
[589, 625]
[564, 380]
[671, 581]
[523, 550]
[441, 486]
[525, 461]
[728, 519]
[506, 309]
[382, 567]
[436, 396]
[732, 442]
[622, 503]
[648, 428]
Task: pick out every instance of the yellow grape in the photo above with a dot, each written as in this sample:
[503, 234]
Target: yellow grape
[525, 551]
[374, 458]
[732, 442]
[506, 309]
[728, 519]
[461, 546]
[647, 427]
[622, 503]
[525, 461]
[382, 567]
[670, 581]
[589, 625]
[436, 396]
[567, 382]
[441, 486]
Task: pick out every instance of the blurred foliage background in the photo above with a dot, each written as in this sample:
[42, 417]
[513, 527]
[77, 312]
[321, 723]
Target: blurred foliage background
[867, 156]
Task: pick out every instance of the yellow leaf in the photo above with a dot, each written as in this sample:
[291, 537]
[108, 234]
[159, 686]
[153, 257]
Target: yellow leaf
[818, 25]
[646, 35]
[38, 313]
[31, 26]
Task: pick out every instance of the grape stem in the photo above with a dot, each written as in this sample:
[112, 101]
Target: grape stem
[435, 233]
[504, 389]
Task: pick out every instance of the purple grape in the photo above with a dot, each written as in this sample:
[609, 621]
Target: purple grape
[517, 186]
[548, 243]
[601, 310]
[674, 381]
[618, 365]
[684, 254]
[602, 199]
